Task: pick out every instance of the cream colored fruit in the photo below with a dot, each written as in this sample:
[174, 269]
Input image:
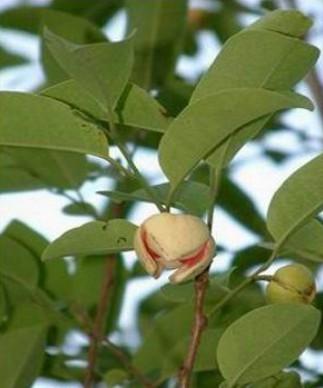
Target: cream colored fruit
[174, 241]
[293, 283]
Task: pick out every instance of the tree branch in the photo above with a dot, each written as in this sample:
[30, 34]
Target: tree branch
[98, 325]
[200, 323]
[316, 88]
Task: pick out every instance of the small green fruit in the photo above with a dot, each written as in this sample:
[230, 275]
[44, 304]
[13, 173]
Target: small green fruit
[293, 283]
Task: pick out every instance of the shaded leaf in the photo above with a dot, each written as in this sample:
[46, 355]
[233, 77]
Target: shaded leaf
[191, 197]
[79, 209]
[281, 380]
[101, 69]
[205, 125]
[265, 340]
[95, 238]
[65, 129]
[54, 276]
[17, 263]
[96, 10]
[167, 330]
[298, 199]
[24, 342]
[237, 203]
[13, 178]
[115, 377]
[160, 25]
[128, 110]
[24, 17]
[43, 168]
[10, 59]
[307, 242]
[71, 27]
[204, 362]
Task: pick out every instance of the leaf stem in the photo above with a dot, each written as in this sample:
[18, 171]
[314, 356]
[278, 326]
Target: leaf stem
[265, 278]
[113, 133]
[246, 282]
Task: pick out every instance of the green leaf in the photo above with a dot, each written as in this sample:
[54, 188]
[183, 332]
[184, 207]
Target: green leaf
[47, 124]
[298, 199]
[79, 209]
[307, 242]
[128, 110]
[55, 278]
[71, 27]
[159, 25]
[203, 362]
[95, 238]
[265, 59]
[115, 377]
[166, 330]
[25, 343]
[101, 69]
[236, 202]
[192, 197]
[63, 170]
[265, 340]
[203, 126]
[281, 380]
[17, 263]
[8, 59]
[4, 306]
[13, 178]
[85, 286]
[26, 237]
[24, 18]
[289, 22]
[95, 10]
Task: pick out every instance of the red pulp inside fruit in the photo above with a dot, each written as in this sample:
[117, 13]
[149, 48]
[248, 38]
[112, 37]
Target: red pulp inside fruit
[192, 260]
[154, 255]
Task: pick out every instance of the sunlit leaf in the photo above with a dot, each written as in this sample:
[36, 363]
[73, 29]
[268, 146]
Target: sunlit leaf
[203, 126]
[265, 340]
[95, 238]
[267, 54]
[47, 124]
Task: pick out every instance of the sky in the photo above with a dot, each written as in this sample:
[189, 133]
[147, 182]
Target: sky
[42, 210]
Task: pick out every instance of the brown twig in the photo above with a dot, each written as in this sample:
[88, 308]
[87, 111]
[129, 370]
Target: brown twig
[98, 324]
[200, 323]
[316, 88]
[126, 362]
